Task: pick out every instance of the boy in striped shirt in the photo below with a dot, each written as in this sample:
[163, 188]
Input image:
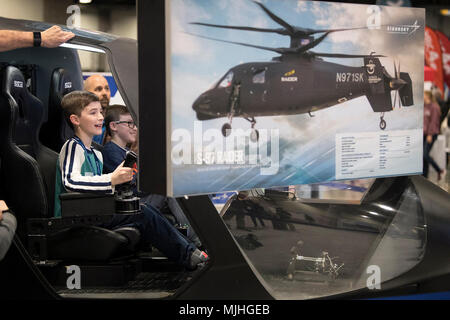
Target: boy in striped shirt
[80, 168]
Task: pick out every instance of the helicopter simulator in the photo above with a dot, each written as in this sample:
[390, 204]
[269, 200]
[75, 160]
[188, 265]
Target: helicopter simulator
[264, 244]
[299, 81]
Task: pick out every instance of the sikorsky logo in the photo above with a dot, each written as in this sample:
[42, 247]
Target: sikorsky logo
[403, 29]
[288, 77]
[67, 85]
[18, 84]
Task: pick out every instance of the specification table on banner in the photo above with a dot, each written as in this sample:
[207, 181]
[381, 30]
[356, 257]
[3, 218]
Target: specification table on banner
[371, 154]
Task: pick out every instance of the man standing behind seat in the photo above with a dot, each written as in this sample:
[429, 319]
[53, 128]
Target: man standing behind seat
[98, 85]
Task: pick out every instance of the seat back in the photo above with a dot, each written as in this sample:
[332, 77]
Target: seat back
[56, 131]
[28, 168]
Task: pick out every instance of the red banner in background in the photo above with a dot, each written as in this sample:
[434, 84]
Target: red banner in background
[433, 57]
[429, 74]
[445, 49]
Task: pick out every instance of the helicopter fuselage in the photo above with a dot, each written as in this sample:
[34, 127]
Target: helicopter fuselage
[281, 88]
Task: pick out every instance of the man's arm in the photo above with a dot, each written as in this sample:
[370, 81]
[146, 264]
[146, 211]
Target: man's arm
[50, 38]
[7, 229]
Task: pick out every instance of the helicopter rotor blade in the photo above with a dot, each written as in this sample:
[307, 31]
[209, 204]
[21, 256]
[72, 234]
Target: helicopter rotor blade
[314, 31]
[279, 31]
[277, 19]
[277, 50]
[395, 70]
[343, 55]
[400, 103]
[292, 50]
[395, 99]
[296, 30]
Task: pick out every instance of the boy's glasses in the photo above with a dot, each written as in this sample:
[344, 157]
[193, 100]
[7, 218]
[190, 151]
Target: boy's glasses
[130, 124]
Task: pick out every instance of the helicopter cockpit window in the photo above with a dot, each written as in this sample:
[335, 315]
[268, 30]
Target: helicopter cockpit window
[226, 82]
[260, 77]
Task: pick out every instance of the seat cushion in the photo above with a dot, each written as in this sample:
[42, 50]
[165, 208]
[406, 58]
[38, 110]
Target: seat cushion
[86, 243]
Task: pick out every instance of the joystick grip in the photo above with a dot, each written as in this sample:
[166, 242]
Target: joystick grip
[130, 159]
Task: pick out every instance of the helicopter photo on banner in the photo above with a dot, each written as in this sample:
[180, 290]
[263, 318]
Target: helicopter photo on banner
[273, 93]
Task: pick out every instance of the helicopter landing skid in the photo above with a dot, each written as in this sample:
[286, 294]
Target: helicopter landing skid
[382, 122]
[254, 135]
[234, 100]
[234, 103]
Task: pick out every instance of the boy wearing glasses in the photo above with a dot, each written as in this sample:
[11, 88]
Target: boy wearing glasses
[80, 169]
[123, 131]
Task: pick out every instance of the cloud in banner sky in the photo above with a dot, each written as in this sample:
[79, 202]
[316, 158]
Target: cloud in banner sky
[183, 44]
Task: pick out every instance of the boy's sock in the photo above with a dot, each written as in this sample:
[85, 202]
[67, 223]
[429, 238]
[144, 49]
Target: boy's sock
[198, 257]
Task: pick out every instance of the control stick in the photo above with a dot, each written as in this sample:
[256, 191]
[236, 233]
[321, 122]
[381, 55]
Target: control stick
[126, 202]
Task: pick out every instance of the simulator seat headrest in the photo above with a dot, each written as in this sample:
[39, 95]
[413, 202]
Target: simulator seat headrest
[60, 85]
[28, 109]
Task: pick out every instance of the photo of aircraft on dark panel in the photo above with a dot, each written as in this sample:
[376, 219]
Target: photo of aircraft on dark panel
[306, 75]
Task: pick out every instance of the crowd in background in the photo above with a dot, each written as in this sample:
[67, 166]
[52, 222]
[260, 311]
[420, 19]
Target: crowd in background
[436, 122]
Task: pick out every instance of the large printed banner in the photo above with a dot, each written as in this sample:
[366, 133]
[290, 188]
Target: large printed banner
[445, 49]
[433, 57]
[277, 93]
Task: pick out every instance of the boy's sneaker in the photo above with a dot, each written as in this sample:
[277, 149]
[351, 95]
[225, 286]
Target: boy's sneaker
[198, 258]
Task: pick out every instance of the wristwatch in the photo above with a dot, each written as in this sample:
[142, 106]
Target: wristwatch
[36, 39]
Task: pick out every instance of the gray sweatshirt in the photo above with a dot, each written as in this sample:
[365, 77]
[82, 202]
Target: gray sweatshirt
[7, 229]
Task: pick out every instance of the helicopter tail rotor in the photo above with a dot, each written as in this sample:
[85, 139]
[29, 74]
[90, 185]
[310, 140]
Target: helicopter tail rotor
[402, 85]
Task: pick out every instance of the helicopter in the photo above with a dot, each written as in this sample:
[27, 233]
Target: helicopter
[298, 81]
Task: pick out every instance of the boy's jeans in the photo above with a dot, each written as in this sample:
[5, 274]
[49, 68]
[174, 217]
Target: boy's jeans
[157, 231]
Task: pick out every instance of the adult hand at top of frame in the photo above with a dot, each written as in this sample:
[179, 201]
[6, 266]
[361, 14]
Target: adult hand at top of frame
[3, 207]
[121, 175]
[54, 36]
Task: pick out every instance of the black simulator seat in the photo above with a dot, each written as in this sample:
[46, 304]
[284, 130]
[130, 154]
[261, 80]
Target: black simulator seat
[28, 178]
[56, 131]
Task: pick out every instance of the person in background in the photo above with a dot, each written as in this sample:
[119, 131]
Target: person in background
[8, 226]
[98, 85]
[431, 128]
[443, 105]
[50, 38]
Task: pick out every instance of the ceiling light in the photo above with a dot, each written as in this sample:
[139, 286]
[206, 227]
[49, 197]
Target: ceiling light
[85, 1]
[81, 47]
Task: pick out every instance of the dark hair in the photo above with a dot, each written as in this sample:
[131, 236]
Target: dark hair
[113, 113]
[74, 103]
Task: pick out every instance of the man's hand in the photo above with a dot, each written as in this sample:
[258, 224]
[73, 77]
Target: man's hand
[54, 36]
[429, 139]
[121, 175]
